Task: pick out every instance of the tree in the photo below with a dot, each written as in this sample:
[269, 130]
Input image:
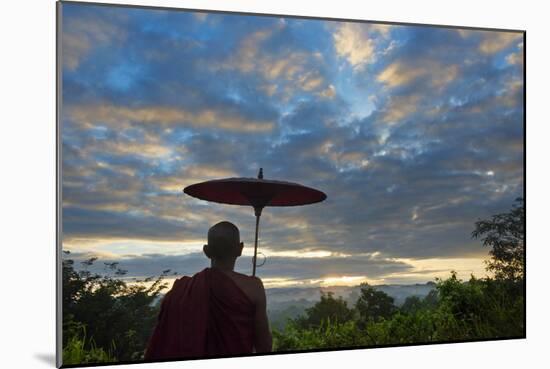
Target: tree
[327, 309]
[373, 304]
[431, 299]
[481, 308]
[117, 317]
[505, 234]
[411, 305]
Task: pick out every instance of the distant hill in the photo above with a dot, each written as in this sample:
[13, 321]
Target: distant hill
[289, 302]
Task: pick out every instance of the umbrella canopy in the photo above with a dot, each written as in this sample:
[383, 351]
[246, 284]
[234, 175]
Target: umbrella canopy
[255, 192]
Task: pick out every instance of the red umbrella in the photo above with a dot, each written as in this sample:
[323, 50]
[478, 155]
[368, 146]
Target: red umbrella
[255, 192]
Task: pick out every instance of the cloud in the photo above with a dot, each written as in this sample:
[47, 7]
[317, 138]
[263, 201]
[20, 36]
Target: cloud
[491, 42]
[494, 42]
[80, 36]
[284, 70]
[352, 44]
[357, 42]
[329, 92]
[201, 17]
[245, 59]
[516, 58]
[399, 74]
[396, 74]
[123, 117]
[285, 271]
[80, 223]
[401, 107]
[374, 267]
[150, 148]
[190, 175]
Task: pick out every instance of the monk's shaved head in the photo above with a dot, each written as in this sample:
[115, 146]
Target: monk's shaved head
[223, 241]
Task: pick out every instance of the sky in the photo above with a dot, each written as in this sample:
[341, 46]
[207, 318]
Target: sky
[413, 132]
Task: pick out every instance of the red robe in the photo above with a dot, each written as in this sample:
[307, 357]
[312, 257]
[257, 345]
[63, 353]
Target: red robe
[204, 315]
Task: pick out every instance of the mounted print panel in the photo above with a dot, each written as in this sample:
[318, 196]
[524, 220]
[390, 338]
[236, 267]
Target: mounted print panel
[236, 184]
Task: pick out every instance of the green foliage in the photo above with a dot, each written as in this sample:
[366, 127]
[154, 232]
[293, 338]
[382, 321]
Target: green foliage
[328, 308]
[454, 311]
[373, 304]
[505, 234]
[411, 305]
[431, 300]
[328, 334]
[279, 318]
[117, 316]
[484, 308]
[79, 350]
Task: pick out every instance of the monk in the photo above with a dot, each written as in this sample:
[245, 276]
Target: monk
[217, 312]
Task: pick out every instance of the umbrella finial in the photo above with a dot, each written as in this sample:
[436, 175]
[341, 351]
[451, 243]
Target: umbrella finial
[261, 174]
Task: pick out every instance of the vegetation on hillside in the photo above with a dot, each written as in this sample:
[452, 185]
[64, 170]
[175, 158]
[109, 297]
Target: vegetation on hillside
[106, 319]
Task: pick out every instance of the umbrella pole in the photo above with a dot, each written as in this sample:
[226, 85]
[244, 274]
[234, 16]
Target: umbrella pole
[258, 213]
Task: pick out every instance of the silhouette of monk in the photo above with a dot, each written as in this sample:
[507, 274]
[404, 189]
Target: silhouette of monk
[217, 312]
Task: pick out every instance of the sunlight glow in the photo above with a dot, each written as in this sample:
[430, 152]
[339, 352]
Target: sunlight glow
[343, 281]
[127, 248]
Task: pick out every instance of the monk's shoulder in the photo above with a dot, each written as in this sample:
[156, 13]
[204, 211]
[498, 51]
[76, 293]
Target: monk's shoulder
[178, 283]
[253, 285]
[259, 291]
[257, 282]
[257, 287]
[250, 280]
[182, 280]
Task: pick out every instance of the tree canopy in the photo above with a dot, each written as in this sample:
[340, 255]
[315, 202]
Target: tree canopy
[505, 234]
[327, 309]
[105, 317]
[374, 304]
